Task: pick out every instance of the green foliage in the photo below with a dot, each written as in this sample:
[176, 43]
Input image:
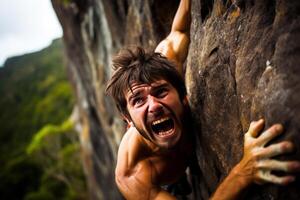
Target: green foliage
[45, 133]
[57, 150]
[35, 146]
[41, 194]
[66, 2]
[18, 177]
[25, 82]
[50, 189]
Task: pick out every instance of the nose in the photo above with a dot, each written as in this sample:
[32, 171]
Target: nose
[155, 106]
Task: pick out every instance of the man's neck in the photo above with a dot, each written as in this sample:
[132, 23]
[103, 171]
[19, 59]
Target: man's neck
[155, 150]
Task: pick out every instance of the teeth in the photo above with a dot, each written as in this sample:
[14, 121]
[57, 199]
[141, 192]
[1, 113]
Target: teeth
[165, 133]
[160, 120]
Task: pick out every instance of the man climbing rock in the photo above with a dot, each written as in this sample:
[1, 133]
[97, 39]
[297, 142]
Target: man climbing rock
[149, 91]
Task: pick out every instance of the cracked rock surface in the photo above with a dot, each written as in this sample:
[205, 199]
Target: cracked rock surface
[243, 64]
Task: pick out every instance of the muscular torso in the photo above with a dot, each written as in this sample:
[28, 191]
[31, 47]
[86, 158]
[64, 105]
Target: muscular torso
[144, 168]
[168, 168]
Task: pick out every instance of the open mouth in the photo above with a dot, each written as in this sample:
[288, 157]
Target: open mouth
[163, 127]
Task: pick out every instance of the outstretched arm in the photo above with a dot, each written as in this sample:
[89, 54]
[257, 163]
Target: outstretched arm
[175, 45]
[257, 162]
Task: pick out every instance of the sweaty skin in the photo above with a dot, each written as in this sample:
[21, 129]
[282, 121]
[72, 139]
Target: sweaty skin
[144, 165]
[147, 160]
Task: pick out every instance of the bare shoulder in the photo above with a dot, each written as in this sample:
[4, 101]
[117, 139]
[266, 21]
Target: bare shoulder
[128, 153]
[175, 48]
[133, 170]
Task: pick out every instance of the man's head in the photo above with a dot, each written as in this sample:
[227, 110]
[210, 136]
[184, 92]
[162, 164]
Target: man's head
[149, 92]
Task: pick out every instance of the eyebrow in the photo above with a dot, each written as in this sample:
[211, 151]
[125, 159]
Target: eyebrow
[133, 95]
[160, 86]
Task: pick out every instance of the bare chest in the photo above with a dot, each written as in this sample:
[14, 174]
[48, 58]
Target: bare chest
[168, 169]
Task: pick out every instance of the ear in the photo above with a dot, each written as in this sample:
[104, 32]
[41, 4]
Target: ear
[128, 121]
[185, 101]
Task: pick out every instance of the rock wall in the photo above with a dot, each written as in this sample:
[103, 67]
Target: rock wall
[93, 31]
[242, 65]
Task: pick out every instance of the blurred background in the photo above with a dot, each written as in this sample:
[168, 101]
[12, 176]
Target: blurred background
[52, 86]
[39, 150]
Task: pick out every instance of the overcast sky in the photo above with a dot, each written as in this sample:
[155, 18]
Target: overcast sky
[26, 26]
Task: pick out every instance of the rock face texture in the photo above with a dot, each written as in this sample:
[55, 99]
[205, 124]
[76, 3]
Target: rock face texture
[242, 65]
[94, 30]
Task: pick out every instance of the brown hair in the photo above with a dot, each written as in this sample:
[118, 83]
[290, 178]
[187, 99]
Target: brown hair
[137, 66]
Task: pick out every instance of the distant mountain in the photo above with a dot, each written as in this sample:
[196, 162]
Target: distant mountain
[34, 92]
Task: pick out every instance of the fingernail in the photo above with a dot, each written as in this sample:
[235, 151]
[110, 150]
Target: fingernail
[278, 127]
[294, 167]
[291, 147]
